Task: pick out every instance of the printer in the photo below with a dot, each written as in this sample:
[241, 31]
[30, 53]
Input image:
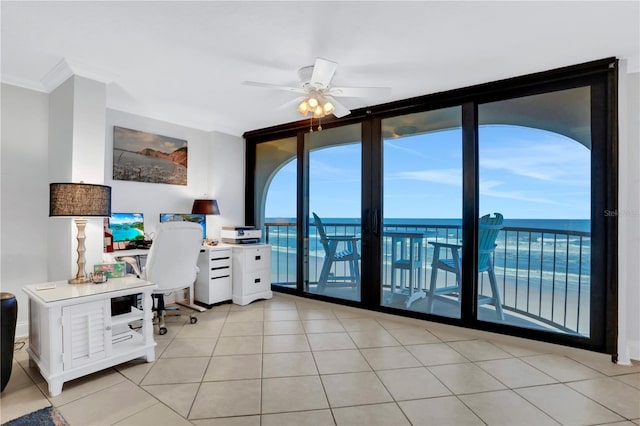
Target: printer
[240, 235]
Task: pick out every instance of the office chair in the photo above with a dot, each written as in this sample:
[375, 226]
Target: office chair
[172, 266]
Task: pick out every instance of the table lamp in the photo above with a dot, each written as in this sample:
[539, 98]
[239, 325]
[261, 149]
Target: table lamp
[207, 207]
[203, 206]
[79, 200]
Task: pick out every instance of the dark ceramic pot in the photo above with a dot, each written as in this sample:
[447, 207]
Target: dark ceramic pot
[8, 318]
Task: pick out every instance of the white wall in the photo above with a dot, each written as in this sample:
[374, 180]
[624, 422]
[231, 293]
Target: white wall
[629, 217]
[24, 193]
[215, 169]
[226, 181]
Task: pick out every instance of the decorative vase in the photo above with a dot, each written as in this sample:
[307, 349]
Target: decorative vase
[8, 318]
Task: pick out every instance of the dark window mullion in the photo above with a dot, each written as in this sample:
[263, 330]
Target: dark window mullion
[470, 211]
[302, 207]
[371, 206]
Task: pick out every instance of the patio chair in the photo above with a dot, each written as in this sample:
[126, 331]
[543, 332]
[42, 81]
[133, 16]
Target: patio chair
[338, 249]
[488, 232]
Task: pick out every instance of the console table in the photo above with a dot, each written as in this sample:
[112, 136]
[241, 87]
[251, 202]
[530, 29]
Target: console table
[73, 331]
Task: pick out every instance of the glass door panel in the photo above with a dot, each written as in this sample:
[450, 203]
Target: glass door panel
[534, 236]
[334, 205]
[422, 205]
[275, 193]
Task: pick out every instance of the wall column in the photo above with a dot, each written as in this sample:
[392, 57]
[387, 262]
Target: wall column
[76, 153]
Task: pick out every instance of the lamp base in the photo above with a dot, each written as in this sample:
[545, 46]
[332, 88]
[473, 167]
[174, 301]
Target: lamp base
[78, 280]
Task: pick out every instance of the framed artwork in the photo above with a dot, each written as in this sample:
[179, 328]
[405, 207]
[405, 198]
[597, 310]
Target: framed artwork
[146, 157]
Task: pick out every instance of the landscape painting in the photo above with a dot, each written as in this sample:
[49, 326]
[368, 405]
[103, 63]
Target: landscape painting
[146, 157]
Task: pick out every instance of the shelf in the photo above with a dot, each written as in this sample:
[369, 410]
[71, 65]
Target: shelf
[134, 315]
[130, 344]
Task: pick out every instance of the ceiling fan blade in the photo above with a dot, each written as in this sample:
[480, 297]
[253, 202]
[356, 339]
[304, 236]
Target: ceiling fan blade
[323, 71]
[340, 110]
[274, 86]
[292, 104]
[359, 92]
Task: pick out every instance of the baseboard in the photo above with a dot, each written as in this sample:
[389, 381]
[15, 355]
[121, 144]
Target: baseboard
[633, 347]
[22, 330]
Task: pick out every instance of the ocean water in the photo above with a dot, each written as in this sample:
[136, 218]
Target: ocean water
[125, 232]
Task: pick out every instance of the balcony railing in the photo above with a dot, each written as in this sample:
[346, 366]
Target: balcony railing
[543, 274]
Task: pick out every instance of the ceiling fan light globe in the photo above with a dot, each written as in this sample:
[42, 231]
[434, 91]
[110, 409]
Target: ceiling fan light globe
[328, 108]
[304, 108]
[313, 102]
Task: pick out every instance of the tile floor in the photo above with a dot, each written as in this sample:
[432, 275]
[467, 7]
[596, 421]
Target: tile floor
[292, 361]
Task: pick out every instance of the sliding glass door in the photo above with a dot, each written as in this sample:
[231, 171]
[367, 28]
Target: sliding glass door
[422, 205]
[535, 189]
[275, 197]
[334, 205]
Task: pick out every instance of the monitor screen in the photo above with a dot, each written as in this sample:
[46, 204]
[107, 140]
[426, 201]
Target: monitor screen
[200, 219]
[127, 226]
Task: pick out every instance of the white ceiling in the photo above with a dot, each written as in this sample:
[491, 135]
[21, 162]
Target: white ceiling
[183, 62]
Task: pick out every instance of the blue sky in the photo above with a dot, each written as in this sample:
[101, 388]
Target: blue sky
[524, 173]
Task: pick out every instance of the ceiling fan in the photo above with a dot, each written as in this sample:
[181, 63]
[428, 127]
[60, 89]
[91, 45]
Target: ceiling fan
[319, 97]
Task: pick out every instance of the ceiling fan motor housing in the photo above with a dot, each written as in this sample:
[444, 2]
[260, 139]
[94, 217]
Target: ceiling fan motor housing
[304, 75]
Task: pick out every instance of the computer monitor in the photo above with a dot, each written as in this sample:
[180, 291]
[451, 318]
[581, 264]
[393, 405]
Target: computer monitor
[200, 219]
[127, 227]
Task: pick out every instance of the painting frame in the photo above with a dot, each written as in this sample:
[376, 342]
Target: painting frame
[140, 156]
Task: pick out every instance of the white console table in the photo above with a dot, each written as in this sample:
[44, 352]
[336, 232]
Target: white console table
[72, 332]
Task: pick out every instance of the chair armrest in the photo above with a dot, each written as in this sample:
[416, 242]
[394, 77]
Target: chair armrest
[132, 262]
[342, 237]
[445, 245]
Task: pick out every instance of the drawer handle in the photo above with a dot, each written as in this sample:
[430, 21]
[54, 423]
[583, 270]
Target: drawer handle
[220, 277]
[257, 257]
[220, 258]
[256, 281]
[219, 267]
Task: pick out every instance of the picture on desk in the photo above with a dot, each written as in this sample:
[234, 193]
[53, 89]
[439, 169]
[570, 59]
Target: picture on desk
[198, 218]
[127, 227]
[147, 157]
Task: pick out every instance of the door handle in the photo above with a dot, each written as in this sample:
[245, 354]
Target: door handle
[376, 222]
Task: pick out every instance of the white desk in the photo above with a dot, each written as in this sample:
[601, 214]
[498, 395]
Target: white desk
[72, 332]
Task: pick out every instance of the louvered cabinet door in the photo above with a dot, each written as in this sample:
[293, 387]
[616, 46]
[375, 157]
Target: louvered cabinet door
[86, 333]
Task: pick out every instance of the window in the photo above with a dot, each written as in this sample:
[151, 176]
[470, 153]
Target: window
[481, 206]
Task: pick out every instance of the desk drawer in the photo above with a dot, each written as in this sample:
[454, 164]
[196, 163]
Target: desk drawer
[215, 264]
[257, 259]
[257, 282]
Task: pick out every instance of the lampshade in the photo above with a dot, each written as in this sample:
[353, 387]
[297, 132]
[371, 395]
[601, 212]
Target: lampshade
[205, 207]
[79, 200]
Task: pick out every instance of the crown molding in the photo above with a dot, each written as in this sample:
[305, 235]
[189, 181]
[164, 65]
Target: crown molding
[56, 76]
[67, 68]
[24, 83]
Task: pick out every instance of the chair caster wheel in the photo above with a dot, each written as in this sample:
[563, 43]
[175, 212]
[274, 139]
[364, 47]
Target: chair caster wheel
[193, 320]
[162, 331]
